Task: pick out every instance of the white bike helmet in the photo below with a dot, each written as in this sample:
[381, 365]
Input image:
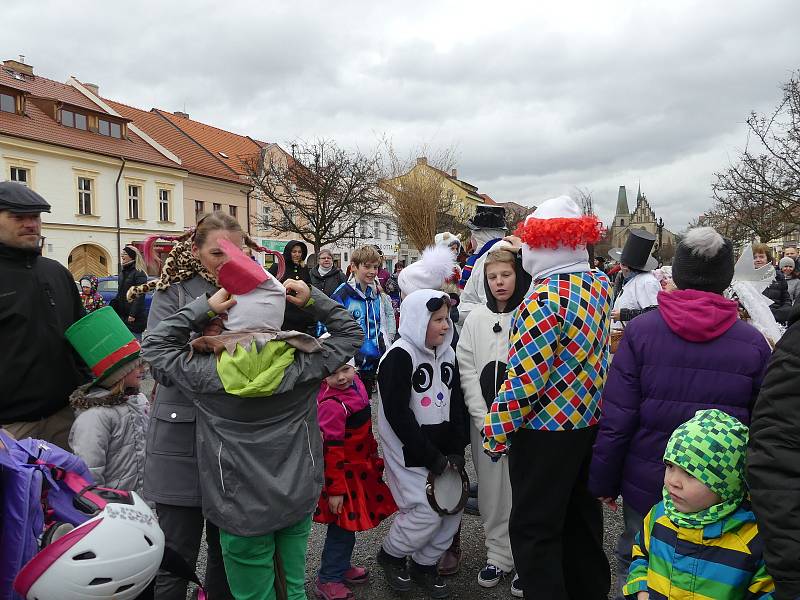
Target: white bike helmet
[113, 555]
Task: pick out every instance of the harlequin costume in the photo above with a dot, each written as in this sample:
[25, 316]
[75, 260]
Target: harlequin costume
[353, 470]
[550, 402]
[718, 551]
[92, 300]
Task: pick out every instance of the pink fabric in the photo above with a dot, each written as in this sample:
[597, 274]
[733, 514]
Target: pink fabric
[697, 316]
[39, 564]
[334, 406]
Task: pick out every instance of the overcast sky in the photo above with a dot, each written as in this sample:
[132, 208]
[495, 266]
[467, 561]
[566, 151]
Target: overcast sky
[535, 99]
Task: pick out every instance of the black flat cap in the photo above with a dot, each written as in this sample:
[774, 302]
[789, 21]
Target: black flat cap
[20, 199]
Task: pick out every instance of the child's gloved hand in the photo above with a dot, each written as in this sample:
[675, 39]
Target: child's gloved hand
[221, 301]
[457, 461]
[335, 503]
[297, 292]
[439, 465]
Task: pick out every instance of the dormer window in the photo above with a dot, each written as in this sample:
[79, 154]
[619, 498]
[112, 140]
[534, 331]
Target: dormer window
[74, 119]
[109, 128]
[8, 103]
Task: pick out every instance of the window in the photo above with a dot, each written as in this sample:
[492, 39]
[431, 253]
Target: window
[73, 119]
[232, 210]
[266, 216]
[363, 230]
[8, 103]
[216, 206]
[163, 205]
[84, 196]
[199, 208]
[21, 175]
[134, 196]
[621, 222]
[109, 128]
[288, 218]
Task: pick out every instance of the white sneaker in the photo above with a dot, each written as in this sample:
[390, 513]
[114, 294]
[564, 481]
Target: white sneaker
[516, 590]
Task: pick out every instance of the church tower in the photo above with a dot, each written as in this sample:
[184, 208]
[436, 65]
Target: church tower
[622, 218]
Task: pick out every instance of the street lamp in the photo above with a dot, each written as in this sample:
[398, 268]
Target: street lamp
[659, 233]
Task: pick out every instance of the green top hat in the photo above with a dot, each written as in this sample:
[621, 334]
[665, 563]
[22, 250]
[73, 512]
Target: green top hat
[104, 343]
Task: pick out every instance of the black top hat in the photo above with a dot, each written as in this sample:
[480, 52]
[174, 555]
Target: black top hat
[488, 217]
[636, 253]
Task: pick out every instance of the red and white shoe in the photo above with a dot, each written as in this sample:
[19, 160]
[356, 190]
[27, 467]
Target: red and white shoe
[332, 590]
[356, 575]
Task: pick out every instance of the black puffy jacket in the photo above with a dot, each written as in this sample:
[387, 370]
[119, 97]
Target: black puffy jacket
[129, 277]
[778, 292]
[773, 464]
[38, 302]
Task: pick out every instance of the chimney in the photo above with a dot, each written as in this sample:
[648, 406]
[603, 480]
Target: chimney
[183, 115]
[19, 66]
[93, 87]
[422, 160]
[454, 172]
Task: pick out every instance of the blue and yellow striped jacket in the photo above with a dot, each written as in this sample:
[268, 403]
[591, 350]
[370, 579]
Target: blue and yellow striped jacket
[722, 561]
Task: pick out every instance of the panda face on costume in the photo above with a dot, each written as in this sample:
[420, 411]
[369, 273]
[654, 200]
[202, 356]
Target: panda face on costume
[448, 374]
[422, 379]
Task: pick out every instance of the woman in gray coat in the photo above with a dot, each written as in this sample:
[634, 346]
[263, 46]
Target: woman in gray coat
[171, 477]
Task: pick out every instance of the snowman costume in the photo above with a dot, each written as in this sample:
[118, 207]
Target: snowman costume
[422, 421]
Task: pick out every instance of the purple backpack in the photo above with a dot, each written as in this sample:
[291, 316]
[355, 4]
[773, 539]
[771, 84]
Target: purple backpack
[41, 487]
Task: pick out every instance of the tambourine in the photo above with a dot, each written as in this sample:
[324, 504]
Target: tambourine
[448, 493]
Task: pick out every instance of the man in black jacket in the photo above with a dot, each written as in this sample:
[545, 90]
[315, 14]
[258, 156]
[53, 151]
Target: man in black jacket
[773, 465]
[38, 302]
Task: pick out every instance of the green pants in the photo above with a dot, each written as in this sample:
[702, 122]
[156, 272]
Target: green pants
[249, 562]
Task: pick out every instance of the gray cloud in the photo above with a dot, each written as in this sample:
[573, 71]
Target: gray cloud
[536, 99]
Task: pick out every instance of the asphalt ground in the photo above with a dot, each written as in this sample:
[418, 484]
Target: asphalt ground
[463, 585]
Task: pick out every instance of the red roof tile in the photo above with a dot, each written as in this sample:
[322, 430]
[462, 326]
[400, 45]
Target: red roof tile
[230, 147]
[36, 125]
[487, 199]
[194, 157]
[46, 88]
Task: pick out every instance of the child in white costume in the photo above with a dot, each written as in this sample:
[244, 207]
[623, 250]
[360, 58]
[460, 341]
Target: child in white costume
[422, 424]
[482, 354]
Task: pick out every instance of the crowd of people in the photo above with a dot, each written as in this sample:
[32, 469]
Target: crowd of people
[573, 383]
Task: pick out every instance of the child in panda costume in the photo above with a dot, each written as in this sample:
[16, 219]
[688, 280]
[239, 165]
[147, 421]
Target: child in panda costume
[422, 423]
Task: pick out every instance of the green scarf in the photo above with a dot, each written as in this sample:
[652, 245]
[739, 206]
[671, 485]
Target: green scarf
[710, 447]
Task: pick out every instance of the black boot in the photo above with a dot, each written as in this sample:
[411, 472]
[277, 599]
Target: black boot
[395, 570]
[429, 580]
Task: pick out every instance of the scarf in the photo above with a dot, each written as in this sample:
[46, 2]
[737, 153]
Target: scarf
[180, 265]
[323, 272]
[710, 447]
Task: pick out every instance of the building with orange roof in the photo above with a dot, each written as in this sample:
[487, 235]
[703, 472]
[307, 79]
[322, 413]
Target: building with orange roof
[57, 140]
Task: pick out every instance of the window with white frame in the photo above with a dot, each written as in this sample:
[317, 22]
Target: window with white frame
[21, 175]
[266, 216]
[232, 210]
[134, 201]
[363, 232]
[163, 205]
[85, 195]
[216, 206]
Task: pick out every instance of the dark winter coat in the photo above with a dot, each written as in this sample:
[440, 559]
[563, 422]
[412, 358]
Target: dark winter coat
[38, 302]
[692, 353]
[778, 292]
[328, 282]
[170, 471]
[294, 318]
[773, 464]
[129, 277]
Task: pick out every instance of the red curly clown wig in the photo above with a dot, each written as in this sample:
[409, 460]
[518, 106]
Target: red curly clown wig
[560, 231]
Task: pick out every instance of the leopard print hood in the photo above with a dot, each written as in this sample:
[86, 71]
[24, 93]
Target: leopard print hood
[180, 265]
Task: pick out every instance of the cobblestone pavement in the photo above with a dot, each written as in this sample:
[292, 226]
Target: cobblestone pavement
[463, 585]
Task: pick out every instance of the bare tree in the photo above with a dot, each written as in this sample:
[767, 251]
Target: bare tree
[583, 196]
[419, 196]
[759, 195]
[320, 192]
